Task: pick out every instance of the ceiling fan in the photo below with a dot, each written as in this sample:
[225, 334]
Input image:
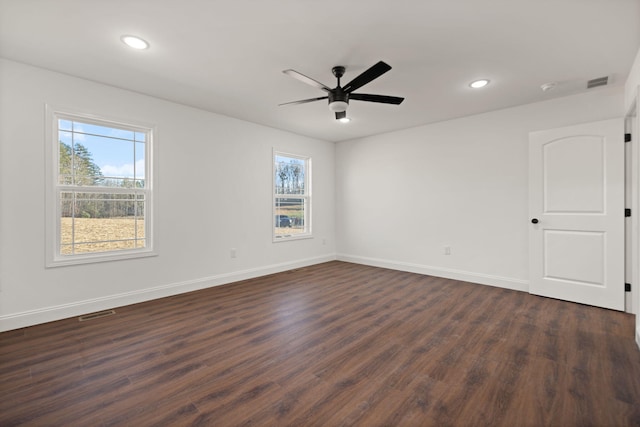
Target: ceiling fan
[339, 96]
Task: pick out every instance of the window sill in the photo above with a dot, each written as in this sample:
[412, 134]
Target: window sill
[64, 261]
[288, 238]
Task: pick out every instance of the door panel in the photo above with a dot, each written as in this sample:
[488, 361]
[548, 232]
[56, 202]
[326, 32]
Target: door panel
[583, 245]
[579, 188]
[576, 194]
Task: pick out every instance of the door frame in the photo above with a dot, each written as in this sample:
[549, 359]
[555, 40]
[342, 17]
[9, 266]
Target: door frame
[632, 225]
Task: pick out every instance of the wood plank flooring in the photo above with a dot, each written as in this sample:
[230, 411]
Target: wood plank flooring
[335, 344]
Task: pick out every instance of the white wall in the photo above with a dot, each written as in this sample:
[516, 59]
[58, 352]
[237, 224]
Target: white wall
[402, 197]
[632, 83]
[220, 167]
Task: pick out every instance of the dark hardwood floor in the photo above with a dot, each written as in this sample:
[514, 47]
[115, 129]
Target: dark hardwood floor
[335, 344]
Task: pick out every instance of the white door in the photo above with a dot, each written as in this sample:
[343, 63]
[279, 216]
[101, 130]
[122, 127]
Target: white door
[576, 207]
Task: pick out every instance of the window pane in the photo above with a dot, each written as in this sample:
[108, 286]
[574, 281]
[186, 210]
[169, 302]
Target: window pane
[84, 248]
[108, 131]
[66, 219]
[100, 155]
[141, 137]
[114, 158]
[139, 162]
[140, 205]
[84, 169]
[65, 124]
[290, 216]
[289, 175]
[101, 222]
[64, 159]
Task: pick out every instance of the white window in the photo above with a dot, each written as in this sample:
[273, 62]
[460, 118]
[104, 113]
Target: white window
[100, 190]
[291, 196]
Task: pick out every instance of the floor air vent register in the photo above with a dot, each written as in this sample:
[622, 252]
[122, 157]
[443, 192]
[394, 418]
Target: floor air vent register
[96, 315]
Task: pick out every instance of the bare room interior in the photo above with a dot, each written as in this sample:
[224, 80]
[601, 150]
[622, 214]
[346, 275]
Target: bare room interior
[301, 213]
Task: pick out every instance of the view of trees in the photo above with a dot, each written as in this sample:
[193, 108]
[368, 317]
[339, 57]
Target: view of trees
[290, 177]
[82, 167]
[77, 168]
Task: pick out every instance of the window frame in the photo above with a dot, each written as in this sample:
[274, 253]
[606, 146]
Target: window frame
[53, 255]
[307, 197]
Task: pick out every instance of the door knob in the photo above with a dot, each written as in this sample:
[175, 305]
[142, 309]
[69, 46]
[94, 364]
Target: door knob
[534, 221]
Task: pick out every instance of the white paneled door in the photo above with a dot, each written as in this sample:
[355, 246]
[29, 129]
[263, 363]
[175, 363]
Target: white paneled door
[576, 208]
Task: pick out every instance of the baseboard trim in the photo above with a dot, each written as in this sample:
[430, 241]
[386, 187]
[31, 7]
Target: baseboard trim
[480, 278]
[64, 311]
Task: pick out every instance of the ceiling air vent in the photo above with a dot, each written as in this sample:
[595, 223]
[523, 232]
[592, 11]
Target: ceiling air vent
[600, 81]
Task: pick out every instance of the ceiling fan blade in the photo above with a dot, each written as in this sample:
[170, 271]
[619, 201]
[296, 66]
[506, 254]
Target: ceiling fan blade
[376, 98]
[341, 115]
[308, 80]
[371, 74]
[304, 101]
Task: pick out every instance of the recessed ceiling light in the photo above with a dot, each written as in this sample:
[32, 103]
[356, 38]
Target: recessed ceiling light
[548, 86]
[344, 120]
[135, 42]
[479, 83]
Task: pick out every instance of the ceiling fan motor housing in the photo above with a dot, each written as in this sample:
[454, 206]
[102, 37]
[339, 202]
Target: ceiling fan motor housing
[338, 100]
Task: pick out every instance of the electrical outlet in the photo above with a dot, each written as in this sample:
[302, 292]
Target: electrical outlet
[233, 253]
[447, 250]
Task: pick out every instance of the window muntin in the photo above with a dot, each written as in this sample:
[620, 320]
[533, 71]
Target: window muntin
[101, 190]
[292, 196]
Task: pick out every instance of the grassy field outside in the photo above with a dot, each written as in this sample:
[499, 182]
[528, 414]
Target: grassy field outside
[92, 235]
[297, 217]
[89, 235]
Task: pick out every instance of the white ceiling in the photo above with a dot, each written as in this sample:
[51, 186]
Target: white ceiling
[228, 56]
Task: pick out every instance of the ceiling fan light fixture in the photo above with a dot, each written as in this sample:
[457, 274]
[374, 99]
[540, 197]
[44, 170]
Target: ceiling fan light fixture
[338, 106]
[134, 42]
[477, 84]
